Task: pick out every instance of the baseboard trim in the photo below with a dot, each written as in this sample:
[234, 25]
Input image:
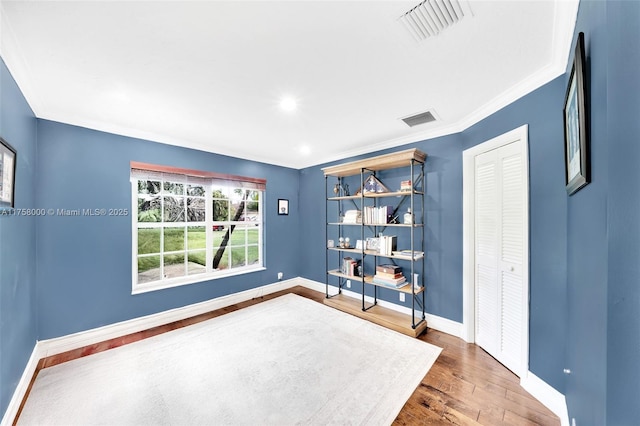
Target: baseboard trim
[433, 321]
[23, 386]
[547, 395]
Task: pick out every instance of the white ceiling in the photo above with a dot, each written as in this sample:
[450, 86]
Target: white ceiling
[210, 74]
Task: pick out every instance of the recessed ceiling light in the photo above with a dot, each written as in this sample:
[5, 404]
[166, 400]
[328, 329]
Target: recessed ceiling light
[288, 104]
[305, 149]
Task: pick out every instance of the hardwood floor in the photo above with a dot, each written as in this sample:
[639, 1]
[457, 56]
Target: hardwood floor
[465, 386]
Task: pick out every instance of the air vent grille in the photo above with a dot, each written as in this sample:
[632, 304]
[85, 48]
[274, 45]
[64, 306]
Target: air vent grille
[431, 17]
[423, 117]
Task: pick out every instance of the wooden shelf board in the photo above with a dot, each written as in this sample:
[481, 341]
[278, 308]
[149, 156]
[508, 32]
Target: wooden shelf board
[381, 162]
[382, 316]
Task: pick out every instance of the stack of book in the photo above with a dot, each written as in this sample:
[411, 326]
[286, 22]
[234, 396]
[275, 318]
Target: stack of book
[405, 186]
[349, 266]
[389, 276]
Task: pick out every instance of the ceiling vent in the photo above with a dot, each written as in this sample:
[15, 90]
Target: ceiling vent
[423, 117]
[431, 17]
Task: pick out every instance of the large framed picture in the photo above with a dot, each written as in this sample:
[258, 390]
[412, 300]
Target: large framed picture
[7, 174]
[576, 124]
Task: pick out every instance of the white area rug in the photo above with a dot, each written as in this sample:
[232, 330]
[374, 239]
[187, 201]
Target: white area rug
[285, 361]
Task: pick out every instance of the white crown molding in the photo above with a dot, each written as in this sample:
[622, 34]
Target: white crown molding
[15, 62]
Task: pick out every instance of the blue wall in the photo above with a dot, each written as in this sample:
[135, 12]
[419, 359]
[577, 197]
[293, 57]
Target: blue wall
[84, 263]
[18, 313]
[623, 138]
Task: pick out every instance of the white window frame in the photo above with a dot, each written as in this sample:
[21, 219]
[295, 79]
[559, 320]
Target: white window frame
[208, 180]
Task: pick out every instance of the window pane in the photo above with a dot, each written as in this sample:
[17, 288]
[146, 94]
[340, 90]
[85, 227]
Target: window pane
[253, 205]
[224, 260]
[148, 187]
[238, 257]
[196, 237]
[195, 210]
[148, 269]
[253, 235]
[173, 239]
[149, 240]
[197, 262]
[237, 210]
[195, 190]
[174, 265]
[174, 209]
[220, 210]
[238, 236]
[174, 188]
[253, 256]
[149, 209]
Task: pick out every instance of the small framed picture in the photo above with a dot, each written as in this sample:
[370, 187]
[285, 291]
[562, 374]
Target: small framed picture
[331, 243]
[283, 206]
[7, 174]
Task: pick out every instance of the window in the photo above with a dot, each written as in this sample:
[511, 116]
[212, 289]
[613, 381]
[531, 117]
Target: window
[191, 226]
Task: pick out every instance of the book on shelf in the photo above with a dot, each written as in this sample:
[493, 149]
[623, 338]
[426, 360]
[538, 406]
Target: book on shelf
[389, 269]
[349, 266]
[378, 215]
[398, 283]
[407, 253]
[389, 276]
[388, 244]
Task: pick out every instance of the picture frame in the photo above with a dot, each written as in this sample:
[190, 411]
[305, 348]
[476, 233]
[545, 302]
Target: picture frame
[283, 206]
[576, 124]
[8, 156]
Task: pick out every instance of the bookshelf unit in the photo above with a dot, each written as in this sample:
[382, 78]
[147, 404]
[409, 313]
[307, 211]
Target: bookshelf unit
[370, 218]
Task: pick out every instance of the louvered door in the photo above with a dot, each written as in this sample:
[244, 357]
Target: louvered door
[499, 236]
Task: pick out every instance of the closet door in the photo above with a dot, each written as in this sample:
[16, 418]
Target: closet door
[499, 237]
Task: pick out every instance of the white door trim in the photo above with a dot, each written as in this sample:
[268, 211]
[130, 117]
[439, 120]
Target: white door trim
[520, 136]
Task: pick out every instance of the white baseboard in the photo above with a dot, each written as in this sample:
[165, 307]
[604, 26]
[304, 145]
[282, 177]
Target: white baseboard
[21, 389]
[433, 321]
[547, 395]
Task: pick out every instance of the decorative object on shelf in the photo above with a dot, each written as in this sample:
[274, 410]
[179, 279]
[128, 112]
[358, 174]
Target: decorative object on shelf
[330, 244]
[345, 190]
[7, 174]
[416, 281]
[576, 127]
[347, 243]
[372, 243]
[283, 206]
[408, 217]
[341, 242]
[405, 186]
[360, 244]
[352, 216]
[373, 185]
[336, 189]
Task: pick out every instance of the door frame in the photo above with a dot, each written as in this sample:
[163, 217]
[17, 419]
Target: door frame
[519, 136]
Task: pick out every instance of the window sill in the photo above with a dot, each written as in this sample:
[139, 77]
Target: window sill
[193, 279]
